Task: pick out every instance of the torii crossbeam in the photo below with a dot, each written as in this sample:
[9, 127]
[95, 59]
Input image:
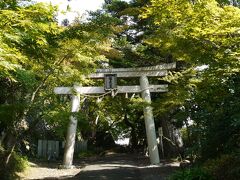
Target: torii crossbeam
[144, 89]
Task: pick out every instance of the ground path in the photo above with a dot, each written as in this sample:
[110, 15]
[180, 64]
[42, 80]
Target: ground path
[109, 167]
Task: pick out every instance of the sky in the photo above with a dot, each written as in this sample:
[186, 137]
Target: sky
[78, 7]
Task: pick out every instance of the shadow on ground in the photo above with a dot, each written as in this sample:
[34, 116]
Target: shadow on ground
[120, 167]
[110, 174]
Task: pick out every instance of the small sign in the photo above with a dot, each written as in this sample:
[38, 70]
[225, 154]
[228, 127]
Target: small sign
[160, 131]
[110, 81]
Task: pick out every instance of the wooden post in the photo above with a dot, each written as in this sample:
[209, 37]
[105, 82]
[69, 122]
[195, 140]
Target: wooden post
[149, 122]
[71, 133]
[49, 150]
[40, 148]
[160, 133]
[44, 146]
[57, 148]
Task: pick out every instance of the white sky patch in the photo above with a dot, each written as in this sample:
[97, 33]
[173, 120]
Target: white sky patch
[201, 68]
[124, 141]
[77, 7]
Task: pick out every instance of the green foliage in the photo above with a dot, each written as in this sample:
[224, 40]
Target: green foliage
[26, 78]
[186, 26]
[116, 6]
[86, 154]
[58, 119]
[204, 37]
[17, 163]
[128, 40]
[36, 55]
[8, 4]
[191, 174]
[224, 167]
[232, 2]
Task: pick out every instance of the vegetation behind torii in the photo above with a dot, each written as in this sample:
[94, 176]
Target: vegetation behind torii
[203, 37]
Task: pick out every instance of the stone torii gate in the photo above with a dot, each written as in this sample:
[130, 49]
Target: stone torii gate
[110, 76]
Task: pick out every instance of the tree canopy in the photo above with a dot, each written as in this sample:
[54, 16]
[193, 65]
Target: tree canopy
[203, 37]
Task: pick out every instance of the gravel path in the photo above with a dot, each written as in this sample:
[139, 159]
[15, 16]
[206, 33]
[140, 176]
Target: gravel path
[110, 167]
[48, 171]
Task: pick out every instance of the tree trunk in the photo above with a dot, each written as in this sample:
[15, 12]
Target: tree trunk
[9, 145]
[3, 135]
[133, 139]
[172, 141]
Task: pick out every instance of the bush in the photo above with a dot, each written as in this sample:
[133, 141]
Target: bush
[84, 154]
[191, 174]
[17, 163]
[225, 167]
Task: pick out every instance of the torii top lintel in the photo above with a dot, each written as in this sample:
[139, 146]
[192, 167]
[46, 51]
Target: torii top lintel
[159, 70]
[151, 71]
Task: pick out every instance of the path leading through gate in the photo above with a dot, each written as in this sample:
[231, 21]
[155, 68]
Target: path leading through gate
[110, 167]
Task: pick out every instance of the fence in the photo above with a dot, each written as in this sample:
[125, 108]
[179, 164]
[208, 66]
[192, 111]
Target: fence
[80, 146]
[51, 149]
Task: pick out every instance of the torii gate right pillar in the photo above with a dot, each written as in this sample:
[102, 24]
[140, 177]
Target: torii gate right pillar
[149, 122]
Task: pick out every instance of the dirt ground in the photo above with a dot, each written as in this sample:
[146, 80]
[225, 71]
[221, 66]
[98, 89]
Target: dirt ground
[109, 167]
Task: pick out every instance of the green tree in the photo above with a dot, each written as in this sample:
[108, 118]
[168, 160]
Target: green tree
[129, 49]
[36, 55]
[204, 38]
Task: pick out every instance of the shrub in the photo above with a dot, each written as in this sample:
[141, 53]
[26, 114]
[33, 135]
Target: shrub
[191, 174]
[84, 154]
[224, 167]
[17, 163]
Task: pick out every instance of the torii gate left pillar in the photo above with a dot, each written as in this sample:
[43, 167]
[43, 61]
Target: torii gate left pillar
[71, 133]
